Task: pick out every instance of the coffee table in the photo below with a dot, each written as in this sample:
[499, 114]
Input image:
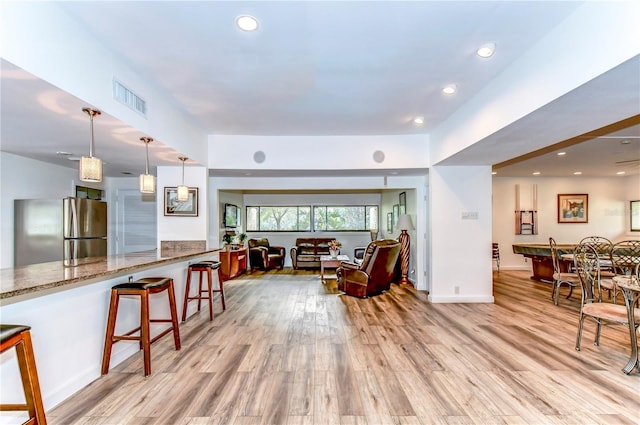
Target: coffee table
[329, 262]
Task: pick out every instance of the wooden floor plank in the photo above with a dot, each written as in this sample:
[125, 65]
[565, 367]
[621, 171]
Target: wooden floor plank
[289, 351]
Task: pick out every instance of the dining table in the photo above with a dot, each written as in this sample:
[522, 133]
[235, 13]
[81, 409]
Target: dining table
[629, 285]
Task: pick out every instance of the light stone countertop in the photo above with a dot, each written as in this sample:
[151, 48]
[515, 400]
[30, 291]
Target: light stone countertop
[29, 280]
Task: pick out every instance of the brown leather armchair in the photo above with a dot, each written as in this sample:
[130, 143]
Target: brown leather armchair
[264, 256]
[374, 274]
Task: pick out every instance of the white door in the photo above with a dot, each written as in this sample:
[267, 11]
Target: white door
[136, 221]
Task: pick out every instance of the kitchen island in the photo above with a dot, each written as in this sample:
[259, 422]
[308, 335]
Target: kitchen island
[67, 307]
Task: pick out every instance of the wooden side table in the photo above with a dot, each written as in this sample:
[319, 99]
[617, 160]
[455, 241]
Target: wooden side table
[329, 262]
[233, 262]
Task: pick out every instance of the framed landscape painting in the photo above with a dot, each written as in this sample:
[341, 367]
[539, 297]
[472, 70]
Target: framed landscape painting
[396, 214]
[573, 208]
[402, 202]
[173, 207]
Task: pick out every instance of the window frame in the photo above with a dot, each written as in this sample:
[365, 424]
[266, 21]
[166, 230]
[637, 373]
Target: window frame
[634, 207]
[297, 207]
[312, 214]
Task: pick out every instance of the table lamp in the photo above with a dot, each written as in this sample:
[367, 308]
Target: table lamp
[404, 224]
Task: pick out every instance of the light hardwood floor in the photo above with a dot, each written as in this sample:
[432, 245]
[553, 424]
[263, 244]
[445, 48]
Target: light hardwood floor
[289, 350]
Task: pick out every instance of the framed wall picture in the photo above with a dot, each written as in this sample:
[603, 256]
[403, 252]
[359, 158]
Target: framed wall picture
[173, 207]
[231, 216]
[396, 214]
[402, 201]
[573, 208]
[390, 222]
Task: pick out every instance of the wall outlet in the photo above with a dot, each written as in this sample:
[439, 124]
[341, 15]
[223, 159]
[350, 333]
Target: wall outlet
[456, 290]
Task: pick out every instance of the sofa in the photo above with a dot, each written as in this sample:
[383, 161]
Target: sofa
[264, 256]
[307, 251]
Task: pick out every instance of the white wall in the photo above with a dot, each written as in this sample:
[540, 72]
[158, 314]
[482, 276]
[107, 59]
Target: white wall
[608, 211]
[460, 248]
[171, 228]
[318, 152]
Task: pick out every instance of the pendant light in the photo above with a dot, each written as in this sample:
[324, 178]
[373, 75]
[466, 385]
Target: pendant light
[147, 181]
[91, 167]
[183, 191]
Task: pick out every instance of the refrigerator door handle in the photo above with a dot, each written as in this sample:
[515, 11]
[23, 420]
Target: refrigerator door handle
[71, 229]
[70, 252]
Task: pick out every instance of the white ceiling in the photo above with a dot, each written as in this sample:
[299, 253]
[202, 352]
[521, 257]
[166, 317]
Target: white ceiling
[313, 68]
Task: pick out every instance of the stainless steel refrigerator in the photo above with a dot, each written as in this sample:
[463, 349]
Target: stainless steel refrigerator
[59, 229]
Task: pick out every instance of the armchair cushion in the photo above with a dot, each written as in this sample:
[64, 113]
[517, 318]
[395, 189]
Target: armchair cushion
[258, 242]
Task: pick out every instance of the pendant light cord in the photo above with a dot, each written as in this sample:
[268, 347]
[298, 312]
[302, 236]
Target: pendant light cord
[91, 124]
[91, 113]
[183, 159]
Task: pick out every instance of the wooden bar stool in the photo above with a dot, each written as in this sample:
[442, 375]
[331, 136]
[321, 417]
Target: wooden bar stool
[201, 267]
[19, 336]
[142, 288]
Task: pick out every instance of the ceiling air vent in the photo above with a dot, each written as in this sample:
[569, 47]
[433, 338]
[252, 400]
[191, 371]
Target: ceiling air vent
[125, 96]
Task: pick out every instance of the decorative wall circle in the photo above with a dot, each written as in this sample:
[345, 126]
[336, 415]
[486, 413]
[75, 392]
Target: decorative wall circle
[378, 156]
[259, 157]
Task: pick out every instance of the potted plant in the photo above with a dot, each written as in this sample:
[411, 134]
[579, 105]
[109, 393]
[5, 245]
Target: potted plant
[241, 238]
[227, 239]
[334, 247]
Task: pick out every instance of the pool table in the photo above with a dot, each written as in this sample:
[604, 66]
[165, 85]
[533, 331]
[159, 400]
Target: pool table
[541, 261]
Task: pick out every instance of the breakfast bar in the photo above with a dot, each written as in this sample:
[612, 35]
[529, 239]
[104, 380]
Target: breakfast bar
[66, 308]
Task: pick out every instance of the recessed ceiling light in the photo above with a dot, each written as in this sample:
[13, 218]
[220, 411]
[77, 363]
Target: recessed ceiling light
[247, 23]
[449, 89]
[63, 153]
[493, 173]
[536, 173]
[620, 173]
[625, 142]
[418, 120]
[577, 173]
[561, 153]
[393, 173]
[486, 50]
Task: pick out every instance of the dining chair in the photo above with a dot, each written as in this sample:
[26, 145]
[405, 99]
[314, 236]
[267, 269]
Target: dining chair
[495, 254]
[625, 256]
[601, 244]
[559, 277]
[603, 247]
[588, 269]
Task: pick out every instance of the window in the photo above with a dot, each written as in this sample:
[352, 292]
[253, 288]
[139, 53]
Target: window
[279, 219]
[345, 218]
[297, 218]
[635, 216]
